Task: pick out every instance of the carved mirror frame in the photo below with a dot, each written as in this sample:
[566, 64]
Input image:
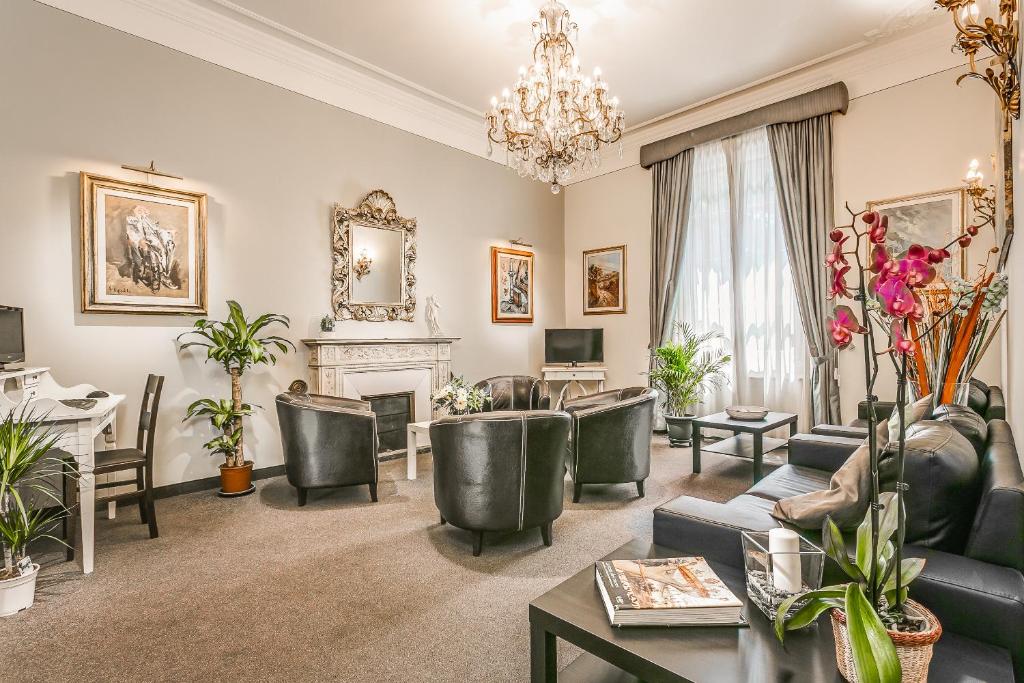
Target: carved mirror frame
[377, 210]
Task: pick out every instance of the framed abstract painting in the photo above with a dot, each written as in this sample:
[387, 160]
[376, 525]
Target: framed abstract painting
[511, 285]
[932, 219]
[143, 248]
[604, 280]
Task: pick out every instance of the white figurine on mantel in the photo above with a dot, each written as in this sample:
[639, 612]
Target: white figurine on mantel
[433, 325]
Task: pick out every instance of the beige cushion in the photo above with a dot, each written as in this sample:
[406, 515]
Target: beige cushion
[849, 490]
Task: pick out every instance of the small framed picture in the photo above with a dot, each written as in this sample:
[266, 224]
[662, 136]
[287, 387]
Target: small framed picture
[604, 280]
[143, 248]
[511, 286]
[931, 219]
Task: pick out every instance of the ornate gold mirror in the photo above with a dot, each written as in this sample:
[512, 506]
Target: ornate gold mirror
[374, 257]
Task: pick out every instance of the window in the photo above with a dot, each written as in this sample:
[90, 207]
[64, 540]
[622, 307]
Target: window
[736, 277]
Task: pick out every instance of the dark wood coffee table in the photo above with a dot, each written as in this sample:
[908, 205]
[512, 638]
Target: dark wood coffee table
[748, 439]
[573, 611]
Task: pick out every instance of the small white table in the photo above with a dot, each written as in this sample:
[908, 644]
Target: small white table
[412, 433]
[577, 374]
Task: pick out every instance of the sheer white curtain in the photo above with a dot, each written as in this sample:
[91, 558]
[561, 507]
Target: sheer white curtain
[736, 277]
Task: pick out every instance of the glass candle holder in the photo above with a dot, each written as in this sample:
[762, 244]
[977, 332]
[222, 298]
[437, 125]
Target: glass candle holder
[772, 576]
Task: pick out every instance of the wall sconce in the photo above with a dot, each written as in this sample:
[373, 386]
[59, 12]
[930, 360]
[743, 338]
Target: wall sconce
[362, 265]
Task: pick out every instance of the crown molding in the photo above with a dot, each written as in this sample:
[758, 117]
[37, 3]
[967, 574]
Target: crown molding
[220, 32]
[921, 50]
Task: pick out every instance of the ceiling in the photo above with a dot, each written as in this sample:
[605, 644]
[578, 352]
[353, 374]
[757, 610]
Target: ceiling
[658, 56]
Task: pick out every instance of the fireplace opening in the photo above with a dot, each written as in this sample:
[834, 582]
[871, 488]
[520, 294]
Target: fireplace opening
[394, 412]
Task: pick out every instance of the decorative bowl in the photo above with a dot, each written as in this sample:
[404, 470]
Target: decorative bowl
[747, 413]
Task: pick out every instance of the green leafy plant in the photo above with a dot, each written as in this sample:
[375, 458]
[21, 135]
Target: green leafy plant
[237, 344]
[223, 418]
[873, 651]
[684, 371]
[26, 466]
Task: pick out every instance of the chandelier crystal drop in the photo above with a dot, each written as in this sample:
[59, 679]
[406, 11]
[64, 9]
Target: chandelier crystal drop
[555, 120]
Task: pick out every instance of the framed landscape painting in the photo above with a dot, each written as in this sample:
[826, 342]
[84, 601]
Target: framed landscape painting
[604, 280]
[932, 219]
[143, 248]
[511, 285]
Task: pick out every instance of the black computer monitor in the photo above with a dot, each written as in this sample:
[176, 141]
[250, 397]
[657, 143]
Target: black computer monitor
[12, 335]
[574, 346]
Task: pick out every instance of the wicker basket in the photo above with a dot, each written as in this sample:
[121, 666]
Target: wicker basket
[913, 649]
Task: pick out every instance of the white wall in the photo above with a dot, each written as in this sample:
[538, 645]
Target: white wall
[79, 96]
[911, 138]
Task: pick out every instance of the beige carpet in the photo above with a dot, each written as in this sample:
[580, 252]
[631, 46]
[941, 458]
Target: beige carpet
[342, 589]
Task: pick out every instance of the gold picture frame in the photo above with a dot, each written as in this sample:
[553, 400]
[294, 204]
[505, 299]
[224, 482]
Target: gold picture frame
[933, 219]
[511, 286]
[143, 248]
[604, 280]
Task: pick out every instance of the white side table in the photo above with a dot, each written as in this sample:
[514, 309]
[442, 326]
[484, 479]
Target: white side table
[570, 374]
[412, 433]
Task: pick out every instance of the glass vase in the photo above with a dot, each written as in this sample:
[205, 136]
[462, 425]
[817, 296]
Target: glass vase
[764, 570]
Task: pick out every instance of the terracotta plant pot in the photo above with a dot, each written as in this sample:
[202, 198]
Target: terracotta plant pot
[18, 593]
[913, 649]
[680, 430]
[236, 479]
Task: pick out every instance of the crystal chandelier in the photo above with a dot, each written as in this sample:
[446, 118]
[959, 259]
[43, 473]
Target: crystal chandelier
[555, 119]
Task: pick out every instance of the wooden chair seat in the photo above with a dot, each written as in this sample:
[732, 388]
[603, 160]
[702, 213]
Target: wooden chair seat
[119, 459]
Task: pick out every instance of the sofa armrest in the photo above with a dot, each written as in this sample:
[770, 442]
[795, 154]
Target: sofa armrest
[844, 431]
[973, 598]
[821, 452]
[996, 409]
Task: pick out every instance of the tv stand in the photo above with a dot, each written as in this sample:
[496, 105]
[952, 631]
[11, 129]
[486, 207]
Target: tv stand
[575, 373]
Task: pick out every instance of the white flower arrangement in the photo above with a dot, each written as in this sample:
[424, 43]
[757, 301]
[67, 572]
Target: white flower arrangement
[459, 398]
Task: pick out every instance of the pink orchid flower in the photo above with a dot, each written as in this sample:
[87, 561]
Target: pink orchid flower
[880, 259]
[839, 286]
[878, 230]
[837, 256]
[900, 343]
[895, 296]
[843, 325]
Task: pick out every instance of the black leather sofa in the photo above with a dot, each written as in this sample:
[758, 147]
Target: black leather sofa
[500, 471]
[985, 400]
[610, 440]
[515, 392]
[975, 585]
[328, 441]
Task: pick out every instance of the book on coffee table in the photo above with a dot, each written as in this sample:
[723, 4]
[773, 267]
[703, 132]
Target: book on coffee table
[677, 591]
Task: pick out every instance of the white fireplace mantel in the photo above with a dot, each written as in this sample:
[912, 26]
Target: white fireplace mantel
[354, 368]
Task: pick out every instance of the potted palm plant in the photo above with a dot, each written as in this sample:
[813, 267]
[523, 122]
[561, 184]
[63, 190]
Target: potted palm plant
[683, 370]
[237, 344]
[25, 468]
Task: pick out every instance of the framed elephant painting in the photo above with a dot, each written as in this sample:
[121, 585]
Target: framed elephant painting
[511, 285]
[143, 248]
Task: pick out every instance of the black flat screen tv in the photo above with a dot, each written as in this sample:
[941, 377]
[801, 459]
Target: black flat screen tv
[12, 335]
[574, 346]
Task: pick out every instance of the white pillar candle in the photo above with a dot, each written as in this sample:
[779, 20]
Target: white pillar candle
[784, 547]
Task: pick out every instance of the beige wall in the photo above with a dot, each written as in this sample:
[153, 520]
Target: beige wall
[78, 96]
[911, 138]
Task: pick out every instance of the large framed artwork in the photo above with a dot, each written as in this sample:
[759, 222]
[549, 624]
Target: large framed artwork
[143, 248]
[511, 285]
[932, 219]
[604, 280]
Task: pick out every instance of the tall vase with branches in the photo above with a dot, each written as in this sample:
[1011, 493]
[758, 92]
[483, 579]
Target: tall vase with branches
[237, 344]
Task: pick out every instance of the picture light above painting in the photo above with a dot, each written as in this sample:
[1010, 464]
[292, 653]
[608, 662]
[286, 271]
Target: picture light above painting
[143, 248]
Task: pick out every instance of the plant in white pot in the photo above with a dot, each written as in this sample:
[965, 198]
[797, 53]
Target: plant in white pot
[237, 345]
[26, 472]
[684, 370]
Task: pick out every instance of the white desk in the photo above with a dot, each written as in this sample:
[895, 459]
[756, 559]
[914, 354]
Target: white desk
[78, 431]
[412, 431]
[577, 374]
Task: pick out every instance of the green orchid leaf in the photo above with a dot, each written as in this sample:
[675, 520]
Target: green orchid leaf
[835, 547]
[807, 612]
[874, 654]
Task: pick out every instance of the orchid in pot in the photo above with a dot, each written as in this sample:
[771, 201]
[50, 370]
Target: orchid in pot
[684, 370]
[880, 634]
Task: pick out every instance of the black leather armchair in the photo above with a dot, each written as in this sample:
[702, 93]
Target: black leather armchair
[327, 442]
[611, 438]
[515, 392]
[500, 471]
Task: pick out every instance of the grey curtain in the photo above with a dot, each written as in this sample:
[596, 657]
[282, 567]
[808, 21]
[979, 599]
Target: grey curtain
[802, 158]
[670, 208]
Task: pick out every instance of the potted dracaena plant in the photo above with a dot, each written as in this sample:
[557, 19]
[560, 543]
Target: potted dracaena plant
[683, 370]
[26, 471]
[237, 344]
[881, 635]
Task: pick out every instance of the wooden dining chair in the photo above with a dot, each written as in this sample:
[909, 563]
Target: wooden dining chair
[139, 459]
